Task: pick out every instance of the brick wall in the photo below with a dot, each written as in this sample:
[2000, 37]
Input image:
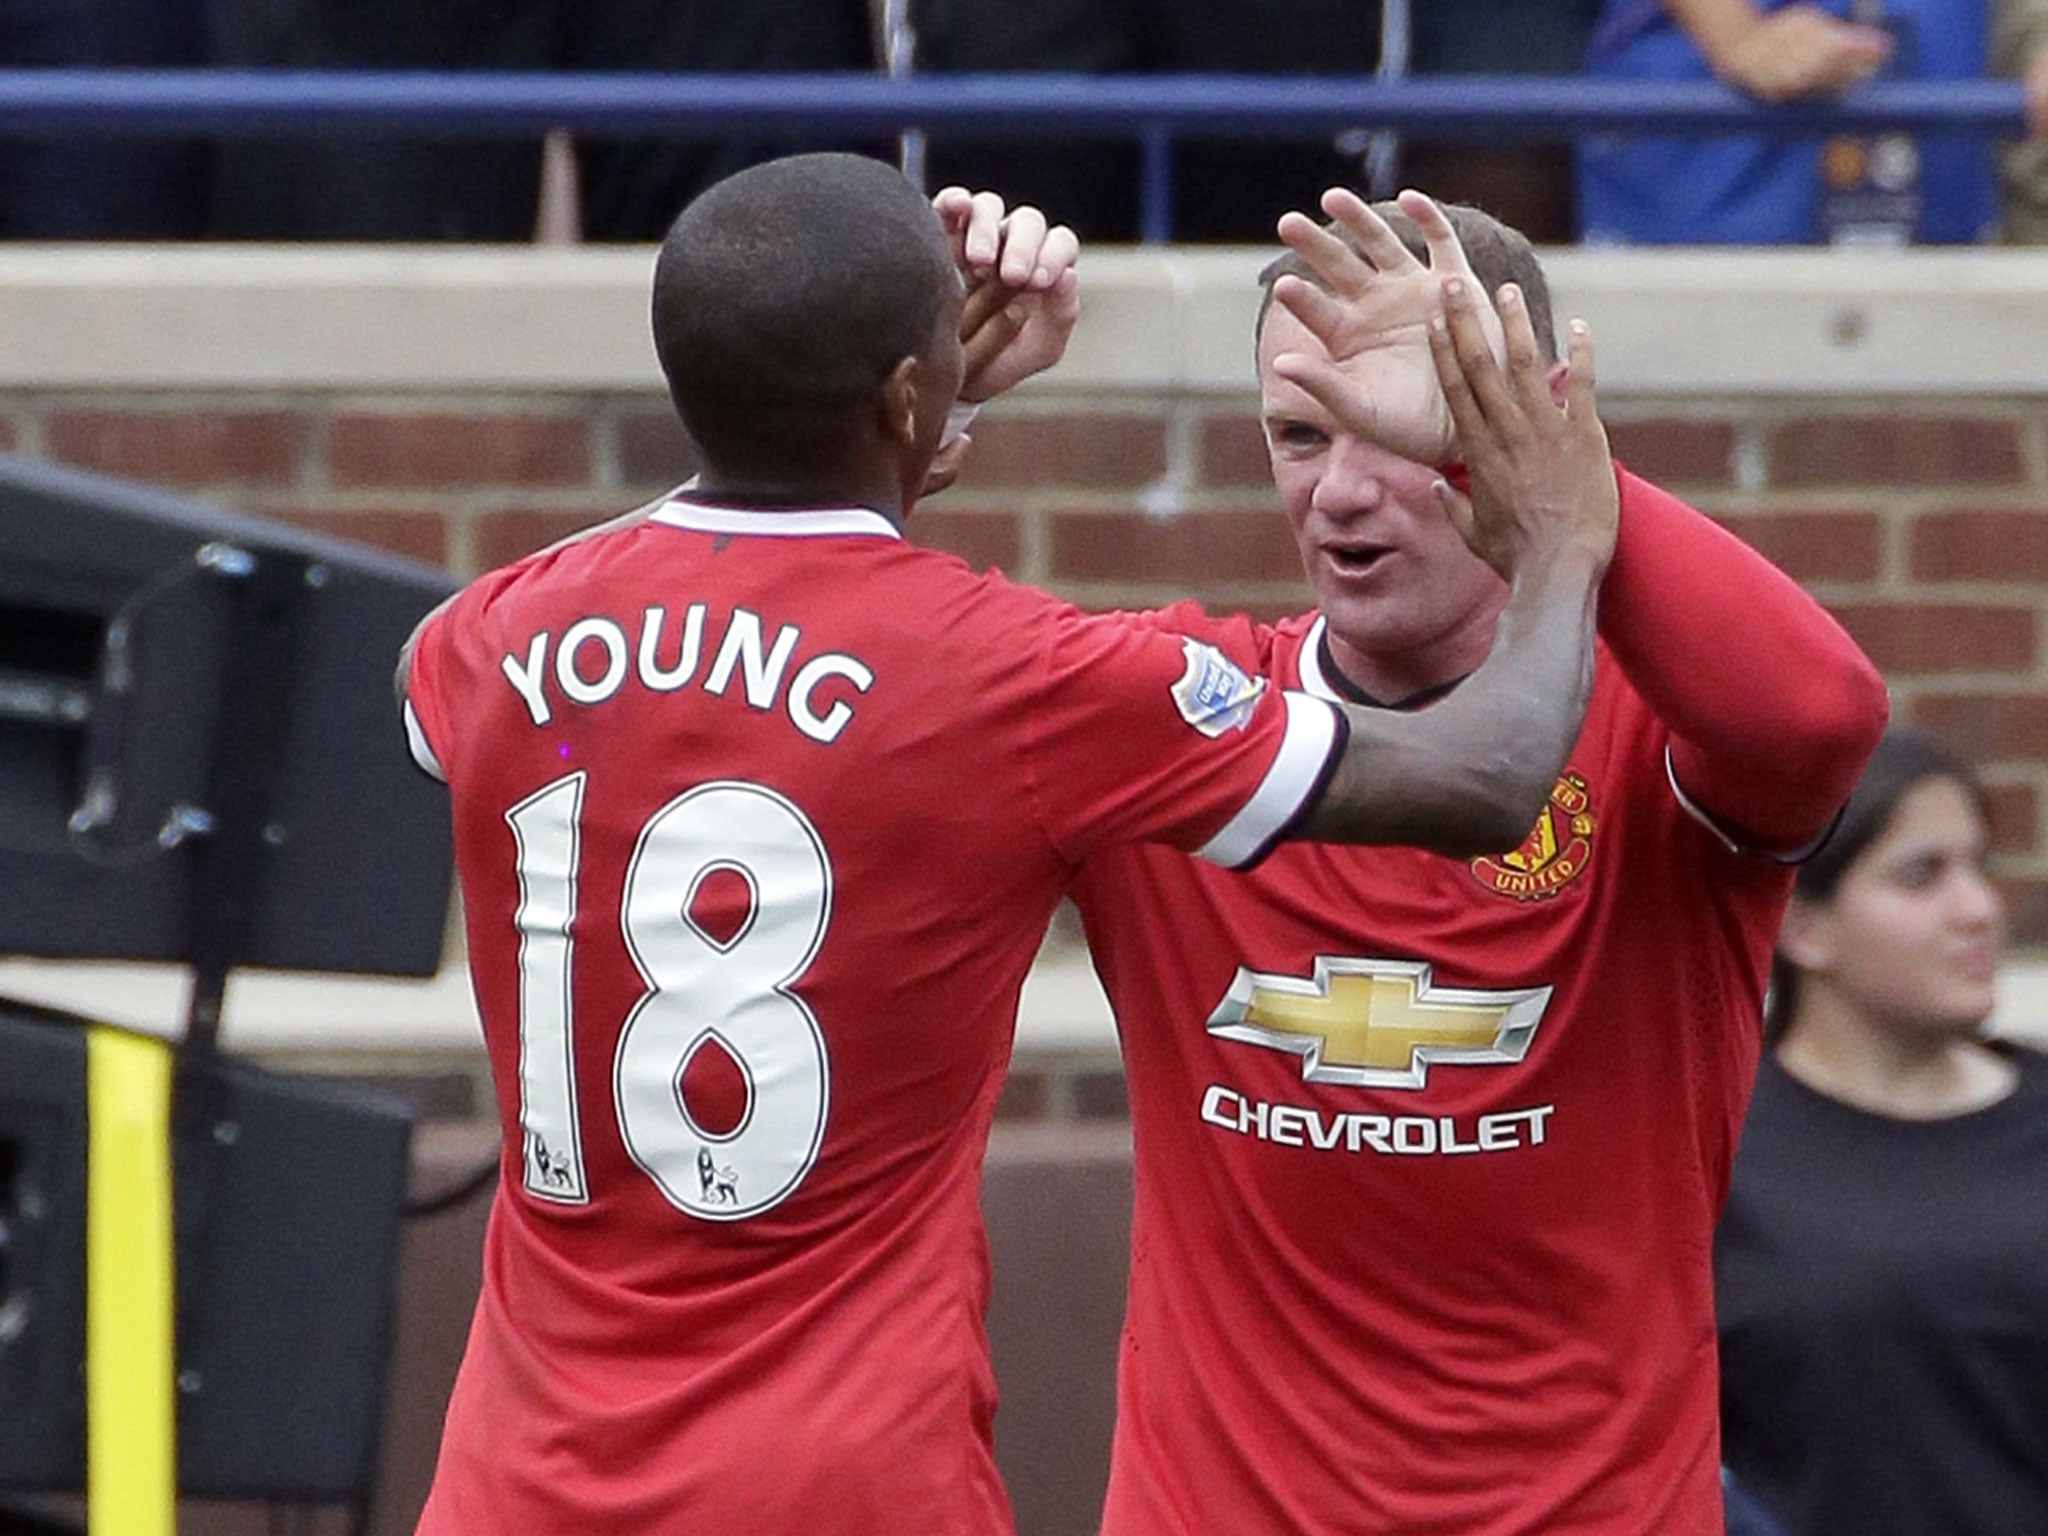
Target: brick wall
[1926, 531]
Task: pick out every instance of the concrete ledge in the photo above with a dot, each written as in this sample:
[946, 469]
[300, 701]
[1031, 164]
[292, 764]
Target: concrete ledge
[1689, 322]
[325, 317]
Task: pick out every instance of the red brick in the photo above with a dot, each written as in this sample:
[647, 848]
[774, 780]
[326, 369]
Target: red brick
[1942, 637]
[982, 539]
[502, 537]
[1671, 450]
[1988, 727]
[439, 449]
[1816, 545]
[654, 450]
[2026, 908]
[1189, 547]
[417, 535]
[1112, 452]
[181, 447]
[1991, 545]
[2015, 817]
[1895, 450]
[1231, 450]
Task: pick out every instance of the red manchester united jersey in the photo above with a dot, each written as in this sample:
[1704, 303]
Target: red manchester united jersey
[759, 817]
[1429, 1151]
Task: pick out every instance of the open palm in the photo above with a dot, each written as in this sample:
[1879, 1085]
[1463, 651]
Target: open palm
[1370, 306]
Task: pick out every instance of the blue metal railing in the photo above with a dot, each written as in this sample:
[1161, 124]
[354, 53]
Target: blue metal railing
[1149, 108]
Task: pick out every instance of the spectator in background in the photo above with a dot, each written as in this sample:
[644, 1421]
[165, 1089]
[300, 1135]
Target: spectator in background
[1525, 185]
[71, 186]
[1222, 190]
[353, 187]
[1674, 191]
[1882, 1265]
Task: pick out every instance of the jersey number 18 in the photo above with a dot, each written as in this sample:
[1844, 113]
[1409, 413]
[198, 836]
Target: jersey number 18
[731, 992]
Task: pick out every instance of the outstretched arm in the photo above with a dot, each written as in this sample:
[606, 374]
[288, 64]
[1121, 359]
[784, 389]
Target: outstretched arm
[1772, 709]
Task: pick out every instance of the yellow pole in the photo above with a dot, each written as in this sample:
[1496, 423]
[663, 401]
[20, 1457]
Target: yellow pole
[131, 1409]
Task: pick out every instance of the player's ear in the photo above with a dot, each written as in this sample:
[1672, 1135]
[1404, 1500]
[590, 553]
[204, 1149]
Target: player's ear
[899, 403]
[1557, 378]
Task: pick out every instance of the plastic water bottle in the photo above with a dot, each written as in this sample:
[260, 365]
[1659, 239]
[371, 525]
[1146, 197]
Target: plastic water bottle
[1870, 183]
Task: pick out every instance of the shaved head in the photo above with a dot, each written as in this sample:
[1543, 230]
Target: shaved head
[783, 297]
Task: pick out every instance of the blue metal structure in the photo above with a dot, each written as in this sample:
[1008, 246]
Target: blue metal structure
[1150, 108]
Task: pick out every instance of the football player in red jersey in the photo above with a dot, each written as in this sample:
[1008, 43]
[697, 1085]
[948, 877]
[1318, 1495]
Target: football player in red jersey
[759, 815]
[1429, 1149]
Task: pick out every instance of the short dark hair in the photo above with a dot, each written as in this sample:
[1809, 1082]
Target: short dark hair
[1499, 254]
[783, 297]
[1904, 757]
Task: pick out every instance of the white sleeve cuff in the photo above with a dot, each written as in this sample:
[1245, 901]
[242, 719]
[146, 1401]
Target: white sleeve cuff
[422, 753]
[1297, 772]
[1715, 830]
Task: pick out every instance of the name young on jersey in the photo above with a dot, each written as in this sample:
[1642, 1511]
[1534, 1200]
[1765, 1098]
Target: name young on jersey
[594, 660]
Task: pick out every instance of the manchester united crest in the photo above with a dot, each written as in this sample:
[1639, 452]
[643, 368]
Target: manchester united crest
[1555, 852]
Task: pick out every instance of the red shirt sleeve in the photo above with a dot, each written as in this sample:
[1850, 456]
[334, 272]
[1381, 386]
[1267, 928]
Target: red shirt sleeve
[1138, 734]
[1772, 708]
[1240, 637]
[426, 727]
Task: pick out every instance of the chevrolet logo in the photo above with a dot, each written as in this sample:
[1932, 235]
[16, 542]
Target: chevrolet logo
[1377, 1023]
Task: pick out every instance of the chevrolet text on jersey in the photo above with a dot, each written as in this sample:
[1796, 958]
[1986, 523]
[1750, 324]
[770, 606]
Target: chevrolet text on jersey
[1298, 1125]
[594, 659]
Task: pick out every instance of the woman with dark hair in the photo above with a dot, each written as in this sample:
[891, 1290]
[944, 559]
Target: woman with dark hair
[1882, 1263]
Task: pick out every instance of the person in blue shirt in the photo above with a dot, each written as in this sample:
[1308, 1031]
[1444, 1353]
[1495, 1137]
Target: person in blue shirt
[1754, 190]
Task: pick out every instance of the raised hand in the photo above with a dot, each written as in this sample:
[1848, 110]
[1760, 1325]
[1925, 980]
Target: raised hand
[1371, 309]
[1023, 297]
[1542, 481]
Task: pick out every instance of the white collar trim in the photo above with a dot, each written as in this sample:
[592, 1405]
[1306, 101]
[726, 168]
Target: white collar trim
[1310, 665]
[826, 522]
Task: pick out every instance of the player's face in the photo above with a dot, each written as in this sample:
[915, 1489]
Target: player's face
[1408, 603]
[1912, 935]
